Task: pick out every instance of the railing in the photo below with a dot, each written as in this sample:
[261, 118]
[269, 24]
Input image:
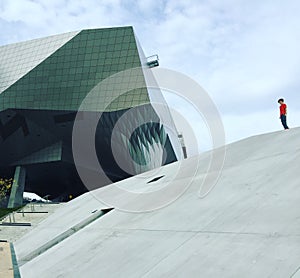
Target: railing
[152, 61]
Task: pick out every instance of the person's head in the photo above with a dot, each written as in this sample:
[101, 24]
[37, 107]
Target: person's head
[281, 100]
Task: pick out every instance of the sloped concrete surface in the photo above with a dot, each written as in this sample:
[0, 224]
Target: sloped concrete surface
[248, 226]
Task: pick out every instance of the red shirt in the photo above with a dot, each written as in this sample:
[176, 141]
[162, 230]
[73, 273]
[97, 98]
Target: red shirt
[282, 109]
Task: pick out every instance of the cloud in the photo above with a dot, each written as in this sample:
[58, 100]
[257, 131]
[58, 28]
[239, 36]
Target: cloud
[243, 52]
[42, 18]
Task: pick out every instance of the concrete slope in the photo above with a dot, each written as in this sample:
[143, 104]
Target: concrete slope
[248, 226]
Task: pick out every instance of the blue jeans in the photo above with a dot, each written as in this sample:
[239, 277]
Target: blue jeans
[283, 121]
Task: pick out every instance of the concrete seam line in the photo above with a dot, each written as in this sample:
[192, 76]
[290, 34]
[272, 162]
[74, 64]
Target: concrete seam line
[66, 234]
[295, 272]
[168, 255]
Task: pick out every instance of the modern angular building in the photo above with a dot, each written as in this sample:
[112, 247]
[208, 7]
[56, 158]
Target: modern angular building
[42, 85]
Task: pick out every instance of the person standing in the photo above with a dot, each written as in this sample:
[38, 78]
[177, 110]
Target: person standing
[283, 112]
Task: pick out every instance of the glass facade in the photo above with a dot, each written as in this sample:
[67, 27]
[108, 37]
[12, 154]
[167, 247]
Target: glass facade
[71, 70]
[43, 83]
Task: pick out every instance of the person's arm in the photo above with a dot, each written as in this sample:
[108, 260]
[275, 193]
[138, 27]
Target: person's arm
[285, 109]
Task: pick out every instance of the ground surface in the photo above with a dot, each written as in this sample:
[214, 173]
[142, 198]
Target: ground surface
[6, 265]
[33, 214]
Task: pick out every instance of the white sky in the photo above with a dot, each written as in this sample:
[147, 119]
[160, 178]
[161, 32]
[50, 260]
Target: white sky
[244, 53]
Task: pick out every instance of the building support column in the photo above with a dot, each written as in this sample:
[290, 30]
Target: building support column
[17, 189]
